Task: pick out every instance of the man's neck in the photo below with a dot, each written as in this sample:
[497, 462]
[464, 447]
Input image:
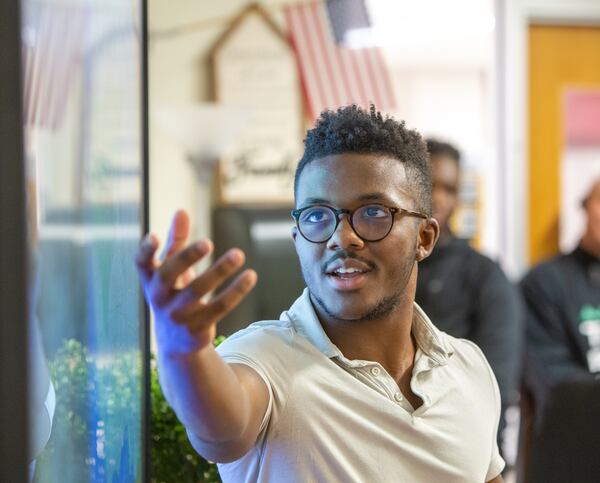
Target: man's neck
[386, 340]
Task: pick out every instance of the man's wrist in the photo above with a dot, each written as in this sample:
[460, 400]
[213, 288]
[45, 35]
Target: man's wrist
[183, 357]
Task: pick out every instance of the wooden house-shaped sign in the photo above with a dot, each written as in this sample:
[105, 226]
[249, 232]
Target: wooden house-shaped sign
[254, 69]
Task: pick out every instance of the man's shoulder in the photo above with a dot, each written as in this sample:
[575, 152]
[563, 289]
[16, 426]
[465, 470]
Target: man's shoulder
[550, 269]
[482, 271]
[469, 358]
[473, 258]
[484, 261]
[261, 333]
[468, 349]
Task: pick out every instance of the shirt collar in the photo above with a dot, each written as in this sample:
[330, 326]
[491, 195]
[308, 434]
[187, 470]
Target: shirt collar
[304, 318]
[432, 342]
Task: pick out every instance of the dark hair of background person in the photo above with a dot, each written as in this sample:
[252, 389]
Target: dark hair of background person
[351, 129]
[440, 148]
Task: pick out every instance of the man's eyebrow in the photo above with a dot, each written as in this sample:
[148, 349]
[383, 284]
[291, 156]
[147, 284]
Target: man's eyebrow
[364, 197]
[315, 201]
[373, 197]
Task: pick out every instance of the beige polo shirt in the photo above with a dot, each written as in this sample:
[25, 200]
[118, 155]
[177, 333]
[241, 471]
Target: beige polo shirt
[331, 419]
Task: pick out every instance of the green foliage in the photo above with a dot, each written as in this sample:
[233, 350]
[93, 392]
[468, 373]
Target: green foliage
[173, 459]
[98, 411]
[96, 431]
[69, 374]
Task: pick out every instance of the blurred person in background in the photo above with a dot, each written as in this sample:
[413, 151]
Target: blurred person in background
[465, 293]
[562, 297]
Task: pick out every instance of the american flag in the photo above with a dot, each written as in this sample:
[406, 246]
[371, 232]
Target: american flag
[52, 43]
[332, 74]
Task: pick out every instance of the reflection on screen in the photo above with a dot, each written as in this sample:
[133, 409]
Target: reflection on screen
[82, 103]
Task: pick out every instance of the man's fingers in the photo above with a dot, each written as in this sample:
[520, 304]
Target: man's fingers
[178, 234]
[179, 263]
[144, 258]
[213, 277]
[225, 302]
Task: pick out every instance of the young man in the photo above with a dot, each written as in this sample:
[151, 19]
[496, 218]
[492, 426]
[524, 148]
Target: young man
[353, 383]
[465, 293]
[563, 312]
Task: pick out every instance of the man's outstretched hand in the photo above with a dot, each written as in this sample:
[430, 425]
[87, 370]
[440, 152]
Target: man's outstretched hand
[185, 318]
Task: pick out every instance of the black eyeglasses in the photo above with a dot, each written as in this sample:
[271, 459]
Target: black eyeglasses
[371, 223]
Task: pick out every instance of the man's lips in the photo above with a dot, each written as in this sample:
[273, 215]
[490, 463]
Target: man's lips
[348, 283]
[347, 267]
[348, 274]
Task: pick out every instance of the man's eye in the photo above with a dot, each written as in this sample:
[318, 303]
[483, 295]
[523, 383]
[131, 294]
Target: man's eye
[375, 212]
[315, 216]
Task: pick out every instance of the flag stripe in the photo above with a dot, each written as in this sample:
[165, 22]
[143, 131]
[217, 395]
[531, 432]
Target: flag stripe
[35, 71]
[49, 67]
[373, 74]
[290, 18]
[313, 94]
[317, 59]
[360, 94]
[333, 75]
[318, 93]
[51, 57]
[326, 50]
[346, 63]
[385, 76]
[345, 88]
[370, 91]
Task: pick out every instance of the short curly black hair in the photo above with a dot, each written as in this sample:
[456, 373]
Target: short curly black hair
[351, 129]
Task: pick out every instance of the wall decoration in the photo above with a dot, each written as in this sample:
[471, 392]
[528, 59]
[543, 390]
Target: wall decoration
[254, 69]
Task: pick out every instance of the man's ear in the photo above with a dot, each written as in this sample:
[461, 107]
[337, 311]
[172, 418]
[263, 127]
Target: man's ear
[294, 233]
[429, 232]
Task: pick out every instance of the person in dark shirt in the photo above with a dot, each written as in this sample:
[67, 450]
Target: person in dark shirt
[465, 293]
[562, 297]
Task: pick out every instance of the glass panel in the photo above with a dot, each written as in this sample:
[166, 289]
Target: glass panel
[84, 149]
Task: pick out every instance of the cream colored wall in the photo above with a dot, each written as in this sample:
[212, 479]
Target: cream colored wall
[452, 102]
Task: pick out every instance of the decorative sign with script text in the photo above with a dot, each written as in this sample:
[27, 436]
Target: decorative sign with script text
[254, 68]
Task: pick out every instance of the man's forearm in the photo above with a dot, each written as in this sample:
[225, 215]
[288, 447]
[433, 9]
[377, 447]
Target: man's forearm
[206, 395]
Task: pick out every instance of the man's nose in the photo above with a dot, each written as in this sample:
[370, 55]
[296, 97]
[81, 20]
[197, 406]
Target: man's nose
[344, 236]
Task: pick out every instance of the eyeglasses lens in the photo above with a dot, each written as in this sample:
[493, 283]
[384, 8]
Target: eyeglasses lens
[370, 222]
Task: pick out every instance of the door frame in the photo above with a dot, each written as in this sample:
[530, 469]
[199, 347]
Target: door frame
[14, 257]
[13, 254]
[513, 18]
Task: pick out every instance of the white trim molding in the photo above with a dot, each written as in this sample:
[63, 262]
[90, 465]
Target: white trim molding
[513, 18]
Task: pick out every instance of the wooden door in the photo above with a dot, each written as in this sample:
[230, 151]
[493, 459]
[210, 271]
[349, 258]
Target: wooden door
[559, 58]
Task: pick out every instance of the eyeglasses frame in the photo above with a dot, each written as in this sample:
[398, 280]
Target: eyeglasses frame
[338, 212]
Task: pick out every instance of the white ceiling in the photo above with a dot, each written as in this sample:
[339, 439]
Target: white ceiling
[431, 33]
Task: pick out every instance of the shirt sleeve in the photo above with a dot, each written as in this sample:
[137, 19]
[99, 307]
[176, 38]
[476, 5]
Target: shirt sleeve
[492, 404]
[497, 463]
[236, 358]
[257, 347]
[496, 466]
